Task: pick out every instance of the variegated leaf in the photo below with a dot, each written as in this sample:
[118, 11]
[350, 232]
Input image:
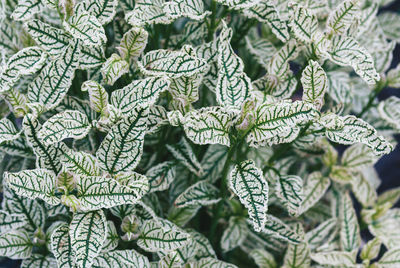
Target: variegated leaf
[39, 261]
[211, 263]
[112, 238]
[349, 229]
[342, 17]
[68, 124]
[209, 125]
[389, 22]
[297, 255]
[389, 110]
[122, 148]
[201, 193]
[263, 258]
[261, 48]
[358, 156]
[314, 188]
[234, 234]
[121, 258]
[279, 64]
[247, 182]
[88, 233]
[363, 189]
[103, 10]
[16, 244]
[193, 9]
[186, 87]
[156, 236]
[315, 84]
[61, 247]
[26, 9]
[335, 258]
[35, 183]
[147, 12]
[98, 96]
[133, 43]
[183, 152]
[371, 249]
[393, 77]
[161, 176]
[304, 24]
[274, 226]
[321, 234]
[238, 4]
[10, 222]
[289, 189]
[8, 131]
[114, 68]
[390, 259]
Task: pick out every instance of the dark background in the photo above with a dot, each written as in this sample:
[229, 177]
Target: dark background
[388, 167]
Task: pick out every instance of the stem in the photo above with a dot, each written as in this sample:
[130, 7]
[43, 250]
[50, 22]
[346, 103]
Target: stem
[212, 27]
[372, 97]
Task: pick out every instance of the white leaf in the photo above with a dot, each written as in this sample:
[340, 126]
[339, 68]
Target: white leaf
[35, 183]
[349, 229]
[389, 22]
[304, 24]
[200, 193]
[61, 247]
[247, 182]
[336, 258]
[39, 261]
[126, 258]
[68, 124]
[148, 12]
[8, 131]
[321, 234]
[161, 176]
[315, 84]
[88, 233]
[211, 263]
[371, 249]
[277, 228]
[342, 17]
[186, 87]
[289, 189]
[297, 255]
[363, 190]
[193, 9]
[98, 96]
[314, 188]
[263, 258]
[390, 259]
[103, 10]
[393, 77]
[26, 9]
[10, 222]
[279, 64]
[15, 245]
[234, 234]
[114, 68]
[357, 157]
[133, 43]
[261, 48]
[389, 110]
[238, 4]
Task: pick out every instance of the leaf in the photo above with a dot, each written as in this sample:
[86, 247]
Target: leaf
[161, 176]
[103, 10]
[393, 77]
[315, 84]
[356, 130]
[112, 238]
[10, 222]
[125, 258]
[321, 234]
[238, 4]
[53, 40]
[281, 119]
[389, 111]
[15, 244]
[277, 228]
[26, 9]
[209, 125]
[53, 82]
[7, 130]
[390, 259]
[98, 96]
[263, 258]
[80, 163]
[389, 23]
[340, 19]
[371, 250]
[173, 64]
[261, 48]
[234, 234]
[156, 236]
[266, 12]
[213, 162]
[211, 263]
[349, 229]
[88, 233]
[247, 182]
[345, 51]
[133, 43]
[193, 9]
[297, 255]
[314, 189]
[122, 148]
[357, 157]
[183, 152]
[148, 12]
[201, 193]
[114, 68]
[35, 183]
[363, 190]
[186, 88]
[39, 260]
[143, 92]
[336, 258]
[86, 27]
[289, 190]
[102, 192]
[304, 24]
[61, 247]
[68, 124]
[279, 64]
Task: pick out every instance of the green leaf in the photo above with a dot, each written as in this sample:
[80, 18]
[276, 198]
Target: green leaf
[80, 163]
[86, 27]
[274, 226]
[304, 24]
[35, 183]
[234, 234]
[371, 250]
[61, 247]
[193, 9]
[247, 182]
[15, 244]
[122, 148]
[88, 233]
[321, 234]
[315, 84]
[148, 12]
[112, 238]
[53, 82]
[263, 258]
[349, 229]
[277, 122]
[114, 68]
[173, 64]
[314, 189]
[289, 190]
[133, 43]
[340, 19]
[102, 192]
[346, 51]
[143, 92]
[297, 255]
[68, 124]
[335, 258]
[157, 236]
[201, 193]
[26, 9]
[121, 258]
[8, 132]
[209, 125]
[266, 12]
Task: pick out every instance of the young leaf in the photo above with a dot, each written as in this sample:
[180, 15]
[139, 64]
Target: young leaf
[349, 229]
[289, 189]
[234, 234]
[114, 68]
[200, 193]
[371, 249]
[122, 148]
[279, 64]
[133, 43]
[186, 87]
[35, 183]
[357, 157]
[68, 124]
[247, 182]
[61, 247]
[315, 84]
[15, 245]
[209, 125]
[340, 19]
[314, 188]
[88, 233]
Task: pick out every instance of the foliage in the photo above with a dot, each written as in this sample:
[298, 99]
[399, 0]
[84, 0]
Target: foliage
[191, 133]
